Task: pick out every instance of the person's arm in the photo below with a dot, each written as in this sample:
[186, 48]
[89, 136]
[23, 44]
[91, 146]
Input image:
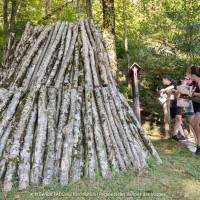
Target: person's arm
[167, 89]
[196, 94]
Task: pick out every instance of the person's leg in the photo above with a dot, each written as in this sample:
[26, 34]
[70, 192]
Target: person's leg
[178, 125]
[190, 120]
[190, 116]
[197, 127]
[195, 123]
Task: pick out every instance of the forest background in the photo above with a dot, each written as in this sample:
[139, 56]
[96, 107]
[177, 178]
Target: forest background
[162, 36]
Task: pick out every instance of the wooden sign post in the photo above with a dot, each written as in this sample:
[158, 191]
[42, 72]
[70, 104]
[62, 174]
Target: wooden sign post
[133, 72]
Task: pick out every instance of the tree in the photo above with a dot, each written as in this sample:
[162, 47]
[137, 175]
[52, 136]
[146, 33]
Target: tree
[126, 35]
[5, 14]
[13, 14]
[89, 8]
[46, 5]
[109, 32]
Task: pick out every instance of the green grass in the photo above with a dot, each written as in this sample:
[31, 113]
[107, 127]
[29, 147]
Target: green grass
[177, 178]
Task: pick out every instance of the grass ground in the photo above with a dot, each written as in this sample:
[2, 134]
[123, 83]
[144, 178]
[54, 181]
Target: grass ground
[177, 178]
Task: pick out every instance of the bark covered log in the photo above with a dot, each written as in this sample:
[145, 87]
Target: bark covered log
[40, 141]
[26, 152]
[51, 128]
[15, 149]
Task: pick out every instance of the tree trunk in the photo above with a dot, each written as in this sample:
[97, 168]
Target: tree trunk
[78, 8]
[46, 6]
[5, 14]
[126, 36]
[89, 8]
[13, 16]
[109, 32]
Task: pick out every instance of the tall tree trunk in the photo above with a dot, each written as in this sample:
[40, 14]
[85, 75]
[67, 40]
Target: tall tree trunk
[13, 15]
[78, 8]
[89, 8]
[46, 6]
[126, 35]
[109, 32]
[5, 14]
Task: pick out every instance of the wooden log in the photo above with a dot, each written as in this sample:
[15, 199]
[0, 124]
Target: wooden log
[62, 121]
[30, 55]
[26, 152]
[40, 141]
[20, 56]
[138, 159]
[20, 46]
[67, 156]
[58, 61]
[14, 151]
[143, 135]
[101, 47]
[114, 131]
[106, 130]
[118, 145]
[76, 171]
[67, 60]
[5, 97]
[68, 141]
[63, 106]
[5, 156]
[135, 158]
[48, 173]
[5, 148]
[88, 124]
[55, 53]
[77, 168]
[135, 136]
[100, 56]
[5, 137]
[123, 149]
[27, 81]
[47, 42]
[26, 34]
[109, 74]
[44, 65]
[9, 50]
[100, 143]
[10, 111]
[61, 118]
[68, 130]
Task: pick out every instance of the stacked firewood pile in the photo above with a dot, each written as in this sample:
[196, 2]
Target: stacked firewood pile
[61, 114]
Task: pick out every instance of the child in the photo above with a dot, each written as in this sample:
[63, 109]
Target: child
[175, 112]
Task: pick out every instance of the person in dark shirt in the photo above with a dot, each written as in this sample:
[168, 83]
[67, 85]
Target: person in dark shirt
[194, 74]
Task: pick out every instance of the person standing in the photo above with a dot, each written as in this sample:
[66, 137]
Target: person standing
[194, 74]
[175, 111]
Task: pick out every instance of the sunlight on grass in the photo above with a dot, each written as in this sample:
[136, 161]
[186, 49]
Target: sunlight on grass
[189, 186]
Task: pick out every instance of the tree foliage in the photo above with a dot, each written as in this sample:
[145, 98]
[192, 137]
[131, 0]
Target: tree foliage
[163, 35]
